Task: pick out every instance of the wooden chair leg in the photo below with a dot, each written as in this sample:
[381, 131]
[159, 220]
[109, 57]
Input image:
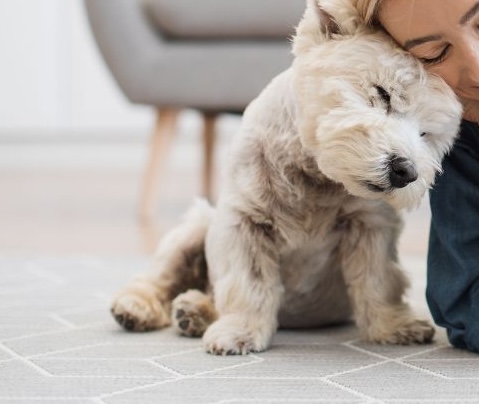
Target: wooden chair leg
[209, 136]
[162, 137]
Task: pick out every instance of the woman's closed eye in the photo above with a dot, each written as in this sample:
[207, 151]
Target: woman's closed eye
[437, 59]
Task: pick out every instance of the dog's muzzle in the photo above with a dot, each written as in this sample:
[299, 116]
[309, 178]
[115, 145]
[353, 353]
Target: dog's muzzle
[401, 172]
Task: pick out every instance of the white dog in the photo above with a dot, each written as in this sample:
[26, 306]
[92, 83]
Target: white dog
[305, 231]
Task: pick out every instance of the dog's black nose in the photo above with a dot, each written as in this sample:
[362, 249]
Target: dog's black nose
[401, 172]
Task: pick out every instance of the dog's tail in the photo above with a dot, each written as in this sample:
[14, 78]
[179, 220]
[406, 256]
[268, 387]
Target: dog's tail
[181, 252]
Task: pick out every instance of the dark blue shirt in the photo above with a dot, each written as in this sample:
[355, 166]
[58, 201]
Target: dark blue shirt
[453, 257]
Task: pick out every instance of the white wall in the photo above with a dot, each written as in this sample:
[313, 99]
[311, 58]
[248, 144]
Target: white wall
[52, 78]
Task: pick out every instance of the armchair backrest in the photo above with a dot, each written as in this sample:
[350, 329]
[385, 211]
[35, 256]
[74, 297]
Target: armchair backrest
[225, 19]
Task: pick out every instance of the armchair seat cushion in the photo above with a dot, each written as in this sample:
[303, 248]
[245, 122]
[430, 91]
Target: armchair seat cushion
[225, 19]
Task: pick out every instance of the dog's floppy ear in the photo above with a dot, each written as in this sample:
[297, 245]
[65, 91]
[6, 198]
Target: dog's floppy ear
[324, 20]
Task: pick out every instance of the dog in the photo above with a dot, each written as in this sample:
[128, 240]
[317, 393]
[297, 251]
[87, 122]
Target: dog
[305, 231]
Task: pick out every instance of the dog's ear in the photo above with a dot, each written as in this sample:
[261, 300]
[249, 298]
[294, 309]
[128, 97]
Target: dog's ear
[327, 24]
[324, 20]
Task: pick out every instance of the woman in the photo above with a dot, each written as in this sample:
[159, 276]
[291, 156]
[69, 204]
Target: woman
[444, 36]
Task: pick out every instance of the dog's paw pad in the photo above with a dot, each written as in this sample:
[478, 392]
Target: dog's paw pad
[128, 322]
[189, 320]
[134, 313]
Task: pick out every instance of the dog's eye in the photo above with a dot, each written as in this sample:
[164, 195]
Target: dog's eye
[423, 134]
[385, 97]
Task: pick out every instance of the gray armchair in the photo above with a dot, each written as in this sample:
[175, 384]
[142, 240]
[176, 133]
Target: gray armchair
[211, 55]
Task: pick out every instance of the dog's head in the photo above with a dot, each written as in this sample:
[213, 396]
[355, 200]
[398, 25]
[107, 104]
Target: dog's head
[374, 119]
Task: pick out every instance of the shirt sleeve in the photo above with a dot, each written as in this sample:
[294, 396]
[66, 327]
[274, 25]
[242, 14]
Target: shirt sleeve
[453, 256]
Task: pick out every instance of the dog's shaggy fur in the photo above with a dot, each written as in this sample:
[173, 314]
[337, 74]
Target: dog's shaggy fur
[305, 231]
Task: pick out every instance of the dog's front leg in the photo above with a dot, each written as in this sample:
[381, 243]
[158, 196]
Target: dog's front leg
[244, 269]
[376, 285]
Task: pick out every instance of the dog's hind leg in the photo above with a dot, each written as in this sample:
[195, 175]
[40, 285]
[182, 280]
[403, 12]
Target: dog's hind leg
[179, 265]
[376, 283]
[193, 311]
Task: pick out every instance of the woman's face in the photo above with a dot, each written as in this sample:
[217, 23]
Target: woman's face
[443, 34]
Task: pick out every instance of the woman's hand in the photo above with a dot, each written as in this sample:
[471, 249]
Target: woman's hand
[471, 110]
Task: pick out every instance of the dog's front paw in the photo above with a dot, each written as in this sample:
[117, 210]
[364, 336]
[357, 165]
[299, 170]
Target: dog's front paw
[138, 309]
[233, 335]
[414, 332]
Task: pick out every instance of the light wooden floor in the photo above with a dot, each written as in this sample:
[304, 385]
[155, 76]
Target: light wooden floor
[81, 198]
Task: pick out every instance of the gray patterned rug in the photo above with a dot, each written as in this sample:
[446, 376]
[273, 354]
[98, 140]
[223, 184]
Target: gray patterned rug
[59, 345]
